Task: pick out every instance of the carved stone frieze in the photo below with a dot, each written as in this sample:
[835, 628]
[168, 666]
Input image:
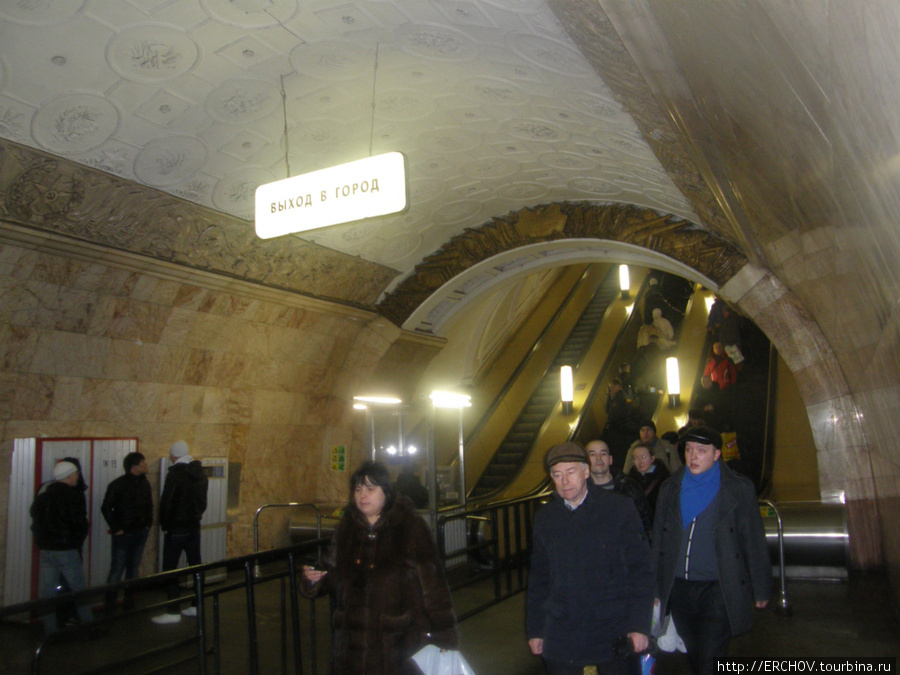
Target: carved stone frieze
[678, 239]
[48, 193]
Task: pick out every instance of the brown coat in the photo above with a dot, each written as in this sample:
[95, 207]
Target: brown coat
[391, 594]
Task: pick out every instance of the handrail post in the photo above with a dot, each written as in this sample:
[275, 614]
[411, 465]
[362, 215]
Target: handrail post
[201, 623]
[783, 607]
[315, 507]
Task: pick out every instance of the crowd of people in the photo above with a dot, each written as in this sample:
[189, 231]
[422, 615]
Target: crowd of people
[60, 527]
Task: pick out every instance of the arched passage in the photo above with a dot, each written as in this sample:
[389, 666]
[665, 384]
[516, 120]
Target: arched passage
[558, 234]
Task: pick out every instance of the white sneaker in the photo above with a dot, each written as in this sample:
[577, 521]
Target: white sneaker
[166, 618]
[190, 611]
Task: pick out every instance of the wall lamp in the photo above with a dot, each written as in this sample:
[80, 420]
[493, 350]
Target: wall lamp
[673, 381]
[566, 389]
[624, 281]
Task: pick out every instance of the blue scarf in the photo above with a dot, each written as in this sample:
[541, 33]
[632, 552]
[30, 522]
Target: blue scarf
[697, 492]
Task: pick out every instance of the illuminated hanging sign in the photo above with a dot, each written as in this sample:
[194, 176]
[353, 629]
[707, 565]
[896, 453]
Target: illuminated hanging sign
[374, 186]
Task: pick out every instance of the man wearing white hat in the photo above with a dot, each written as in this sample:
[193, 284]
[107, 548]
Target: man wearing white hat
[181, 508]
[60, 525]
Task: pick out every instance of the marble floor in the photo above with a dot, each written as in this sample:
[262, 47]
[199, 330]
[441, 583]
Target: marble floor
[846, 619]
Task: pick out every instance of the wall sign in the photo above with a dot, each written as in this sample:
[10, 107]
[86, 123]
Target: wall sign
[374, 186]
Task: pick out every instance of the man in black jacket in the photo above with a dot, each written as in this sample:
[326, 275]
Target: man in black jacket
[605, 476]
[128, 509]
[181, 508]
[709, 546]
[60, 525]
[590, 580]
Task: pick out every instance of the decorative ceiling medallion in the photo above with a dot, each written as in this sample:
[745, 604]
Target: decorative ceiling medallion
[456, 212]
[436, 42]
[596, 188]
[164, 108]
[423, 189]
[36, 13]
[526, 6]
[535, 130]
[13, 123]
[251, 13]
[401, 105]
[235, 192]
[243, 100]
[523, 191]
[632, 147]
[346, 19]
[331, 60]
[74, 123]
[552, 55]
[569, 161]
[315, 136]
[490, 167]
[169, 161]
[399, 247]
[450, 139]
[598, 107]
[493, 91]
[151, 53]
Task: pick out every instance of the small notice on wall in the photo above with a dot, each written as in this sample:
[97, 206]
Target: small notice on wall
[338, 458]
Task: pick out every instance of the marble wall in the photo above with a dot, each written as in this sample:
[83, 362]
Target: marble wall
[95, 343]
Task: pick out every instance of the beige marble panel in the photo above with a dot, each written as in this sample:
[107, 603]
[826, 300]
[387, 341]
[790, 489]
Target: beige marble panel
[66, 353]
[127, 319]
[272, 407]
[17, 262]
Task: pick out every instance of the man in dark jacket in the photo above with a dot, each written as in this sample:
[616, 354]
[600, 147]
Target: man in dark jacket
[606, 477]
[709, 545]
[60, 525]
[589, 584]
[128, 510]
[181, 508]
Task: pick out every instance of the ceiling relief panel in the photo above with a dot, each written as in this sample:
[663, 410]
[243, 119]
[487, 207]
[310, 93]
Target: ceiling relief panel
[39, 191]
[674, 238]
[494, 105]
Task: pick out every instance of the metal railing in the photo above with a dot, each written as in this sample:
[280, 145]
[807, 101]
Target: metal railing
[156, 650]
[503, 554]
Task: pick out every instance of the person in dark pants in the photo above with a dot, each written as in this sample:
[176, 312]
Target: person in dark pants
[588, 586]
[709, 546]
[181, 508]
[60, 526]
[128, 510]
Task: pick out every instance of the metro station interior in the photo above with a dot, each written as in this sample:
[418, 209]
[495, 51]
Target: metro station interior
[745, 150]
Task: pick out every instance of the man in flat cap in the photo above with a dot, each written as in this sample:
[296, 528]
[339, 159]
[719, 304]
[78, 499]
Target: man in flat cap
[709, 545]
[590, 583]
[181, 508]
[60, 526]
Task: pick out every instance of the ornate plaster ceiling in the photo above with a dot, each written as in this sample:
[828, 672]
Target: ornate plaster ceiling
[492, 103]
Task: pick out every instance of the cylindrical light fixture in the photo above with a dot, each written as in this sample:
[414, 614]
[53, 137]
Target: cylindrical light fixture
[566, 389]
[624, 281]
[673, 381]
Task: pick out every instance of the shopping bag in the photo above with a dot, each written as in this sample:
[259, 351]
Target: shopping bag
[433, 661]
[669, 640]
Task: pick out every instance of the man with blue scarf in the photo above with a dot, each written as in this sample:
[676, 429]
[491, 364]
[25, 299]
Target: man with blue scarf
[709, 546]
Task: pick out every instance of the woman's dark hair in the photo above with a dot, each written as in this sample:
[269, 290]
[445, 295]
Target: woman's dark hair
[375, 474]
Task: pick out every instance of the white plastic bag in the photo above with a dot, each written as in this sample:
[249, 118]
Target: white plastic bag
[670, 641]
[432, 661]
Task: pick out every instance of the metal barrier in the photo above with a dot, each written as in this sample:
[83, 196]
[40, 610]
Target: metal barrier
[507, 547]
[282, 567]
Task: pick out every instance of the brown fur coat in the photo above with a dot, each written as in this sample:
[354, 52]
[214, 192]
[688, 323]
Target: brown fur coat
[391, 594]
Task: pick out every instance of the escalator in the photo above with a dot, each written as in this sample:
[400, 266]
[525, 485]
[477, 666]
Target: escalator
[534, 418]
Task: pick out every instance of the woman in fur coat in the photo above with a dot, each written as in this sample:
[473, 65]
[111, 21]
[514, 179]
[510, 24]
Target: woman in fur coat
[390, 591]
